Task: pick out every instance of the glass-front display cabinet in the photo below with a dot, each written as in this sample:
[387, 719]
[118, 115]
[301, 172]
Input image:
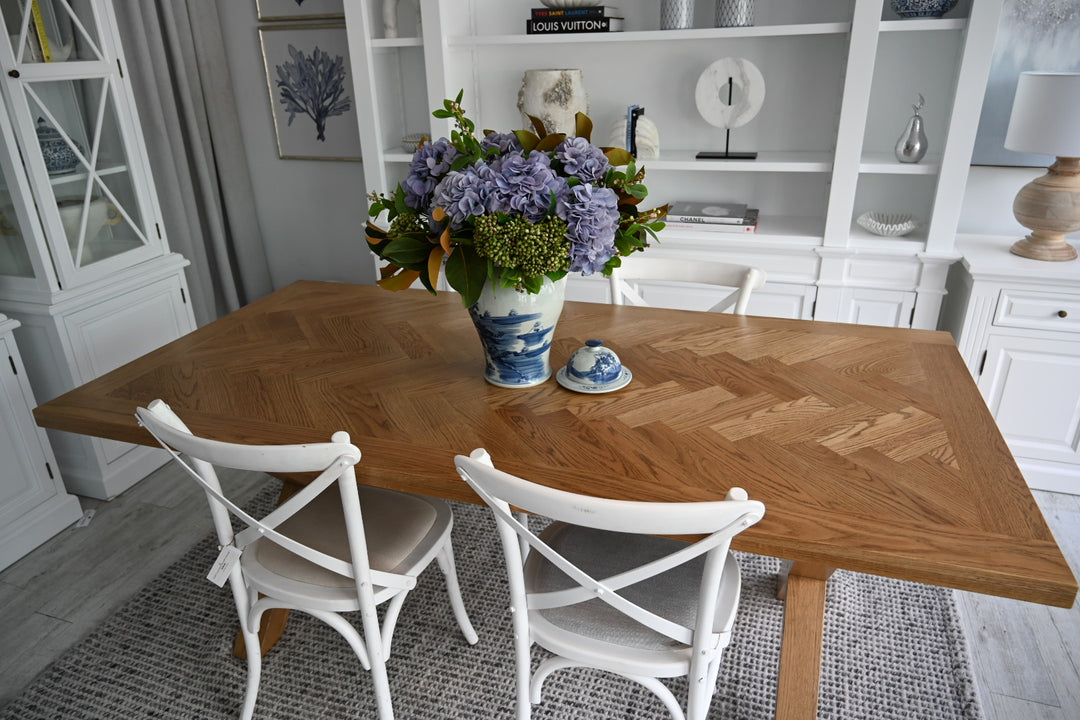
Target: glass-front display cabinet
[80, 147]
[84, 263]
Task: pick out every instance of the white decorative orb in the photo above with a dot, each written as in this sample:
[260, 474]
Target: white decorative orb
[735, 76]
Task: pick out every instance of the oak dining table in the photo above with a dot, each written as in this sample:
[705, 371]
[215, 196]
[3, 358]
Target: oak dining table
[871, 447]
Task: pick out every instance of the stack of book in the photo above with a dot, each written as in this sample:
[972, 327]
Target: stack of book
[584, 19]
[713, 217]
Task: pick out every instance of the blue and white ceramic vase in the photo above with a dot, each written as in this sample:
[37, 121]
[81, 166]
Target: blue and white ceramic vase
[515, 330]
[59, 157]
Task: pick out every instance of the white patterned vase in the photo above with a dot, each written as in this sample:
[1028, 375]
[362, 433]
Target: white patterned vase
[515, 331]
[555, 97]
[676, 14]
[734, 13]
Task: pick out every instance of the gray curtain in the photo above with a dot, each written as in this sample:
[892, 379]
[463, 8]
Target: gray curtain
[176, 57]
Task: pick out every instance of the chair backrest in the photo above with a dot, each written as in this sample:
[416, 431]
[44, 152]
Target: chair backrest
[719, 521]
[744, 279]
[334, 461]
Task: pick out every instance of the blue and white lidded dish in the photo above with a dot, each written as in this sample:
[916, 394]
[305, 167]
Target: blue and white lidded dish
[59, 157]
[594, 364]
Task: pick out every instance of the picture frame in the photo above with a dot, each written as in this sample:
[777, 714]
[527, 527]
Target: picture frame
[275, 10]
[1040, 36]
[311, 128]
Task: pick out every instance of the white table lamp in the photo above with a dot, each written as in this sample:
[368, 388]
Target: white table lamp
[1046, 120]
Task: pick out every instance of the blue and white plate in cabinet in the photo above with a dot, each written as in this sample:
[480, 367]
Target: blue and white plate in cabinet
[563, 378]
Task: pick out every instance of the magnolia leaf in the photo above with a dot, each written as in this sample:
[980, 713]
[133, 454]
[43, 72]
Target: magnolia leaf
[446, 242]
[430, 278]
[619, 156]
[550, 142]
[538, 126]
[408, 251]
[583, 126]
[527, 139]
[466, 272]
[401, 281]
[375, 234]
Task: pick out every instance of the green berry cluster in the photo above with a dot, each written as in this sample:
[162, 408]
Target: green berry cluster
[515, 243]
[405, 223]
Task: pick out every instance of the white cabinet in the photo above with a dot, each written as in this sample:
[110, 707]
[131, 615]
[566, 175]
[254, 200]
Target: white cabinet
[33, 503]
[1017, 324]
[840, 77]
[84, 263]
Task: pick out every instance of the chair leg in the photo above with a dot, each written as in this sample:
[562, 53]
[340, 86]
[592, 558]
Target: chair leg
[254, 671]
[445, 559]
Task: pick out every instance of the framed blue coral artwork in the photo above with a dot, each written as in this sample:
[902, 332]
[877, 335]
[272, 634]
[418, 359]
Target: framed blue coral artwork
[299, 9]
[311, 92]
[1041, 35]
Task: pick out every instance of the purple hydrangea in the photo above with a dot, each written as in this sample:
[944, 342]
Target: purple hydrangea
[504, 142]
[464, 193]
[430, 163]
[581, 159]
[524, 185]
[592, 217]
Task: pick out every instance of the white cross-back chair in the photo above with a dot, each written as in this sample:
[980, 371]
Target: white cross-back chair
[598, 589]
[324, 551]
[743, 279]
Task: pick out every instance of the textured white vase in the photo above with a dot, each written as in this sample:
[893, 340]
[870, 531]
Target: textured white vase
[554, 96]
[515, 331]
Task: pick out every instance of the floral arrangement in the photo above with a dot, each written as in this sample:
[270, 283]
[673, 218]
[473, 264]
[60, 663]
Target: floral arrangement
[512, 208]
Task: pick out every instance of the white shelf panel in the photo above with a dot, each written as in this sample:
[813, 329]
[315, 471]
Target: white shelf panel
[799, 230]
[792, 162]
[923, 24]
[761, 31]
[82, 175]
[887, 164]
[397, 42]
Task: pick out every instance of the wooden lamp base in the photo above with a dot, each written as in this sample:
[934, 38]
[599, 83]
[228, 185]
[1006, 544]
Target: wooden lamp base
[1049, 206]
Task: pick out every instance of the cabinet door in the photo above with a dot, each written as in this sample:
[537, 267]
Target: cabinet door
[25, 480]
[871, 306]
[1032, 386]
[80, 139]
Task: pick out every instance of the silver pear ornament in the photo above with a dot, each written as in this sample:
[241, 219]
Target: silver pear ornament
[911, 147]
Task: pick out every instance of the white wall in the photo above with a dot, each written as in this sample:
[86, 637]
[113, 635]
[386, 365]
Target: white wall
[312, 212]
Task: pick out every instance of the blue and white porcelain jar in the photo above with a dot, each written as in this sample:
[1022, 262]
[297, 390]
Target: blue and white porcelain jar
[922, 8]
[515, 330]
[59, 158]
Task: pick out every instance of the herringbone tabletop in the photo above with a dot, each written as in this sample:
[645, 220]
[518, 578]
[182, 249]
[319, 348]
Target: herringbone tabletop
[870, 447]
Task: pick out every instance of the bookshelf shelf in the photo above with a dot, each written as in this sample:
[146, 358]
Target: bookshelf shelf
[840, 76]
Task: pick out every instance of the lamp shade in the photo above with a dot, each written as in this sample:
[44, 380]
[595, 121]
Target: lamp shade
[1046, 115]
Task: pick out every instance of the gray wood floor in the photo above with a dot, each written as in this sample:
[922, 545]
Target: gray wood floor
[1026, 657]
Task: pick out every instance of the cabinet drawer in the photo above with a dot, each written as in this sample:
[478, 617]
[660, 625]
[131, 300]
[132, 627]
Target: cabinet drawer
[1042, 311]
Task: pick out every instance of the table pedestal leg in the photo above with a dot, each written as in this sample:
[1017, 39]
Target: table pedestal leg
[271, 627]
[802, 587]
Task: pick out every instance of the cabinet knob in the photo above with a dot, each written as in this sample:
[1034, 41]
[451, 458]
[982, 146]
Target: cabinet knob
[13, 73]
[1063, 313]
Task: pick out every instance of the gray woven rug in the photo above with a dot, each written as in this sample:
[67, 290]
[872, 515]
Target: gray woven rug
[893, 650]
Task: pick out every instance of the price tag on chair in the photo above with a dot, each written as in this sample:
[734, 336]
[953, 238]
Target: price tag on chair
[226, 559]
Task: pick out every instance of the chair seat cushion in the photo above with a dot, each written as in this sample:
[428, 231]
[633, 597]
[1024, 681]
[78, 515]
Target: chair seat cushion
[395, 524]
[672, 595]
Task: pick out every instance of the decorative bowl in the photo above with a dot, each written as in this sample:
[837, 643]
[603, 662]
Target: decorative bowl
[922, 8]
[888, 224]
[410, 142]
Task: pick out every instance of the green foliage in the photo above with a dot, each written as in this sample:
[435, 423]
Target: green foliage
[508, 250]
